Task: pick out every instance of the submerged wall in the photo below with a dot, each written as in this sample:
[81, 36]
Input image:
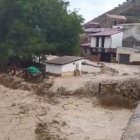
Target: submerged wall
[133, 129]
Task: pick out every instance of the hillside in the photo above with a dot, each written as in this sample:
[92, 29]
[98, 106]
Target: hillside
[130, 9]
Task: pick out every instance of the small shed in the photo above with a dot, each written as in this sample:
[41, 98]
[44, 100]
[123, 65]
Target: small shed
[64, 66]
[128, 55]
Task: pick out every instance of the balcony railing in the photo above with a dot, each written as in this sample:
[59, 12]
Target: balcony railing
[104, 49]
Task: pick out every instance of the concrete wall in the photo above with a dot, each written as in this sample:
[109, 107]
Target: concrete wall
[132, 131]
[54, 69]
[134, 57]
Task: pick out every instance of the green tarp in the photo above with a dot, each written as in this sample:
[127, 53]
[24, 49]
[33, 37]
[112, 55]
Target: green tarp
[33, 70]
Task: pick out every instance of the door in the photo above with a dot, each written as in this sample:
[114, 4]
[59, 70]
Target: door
[124, 58]
[105, 57]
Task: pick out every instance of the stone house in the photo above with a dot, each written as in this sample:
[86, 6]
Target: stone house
[108, 21]
[91, 24]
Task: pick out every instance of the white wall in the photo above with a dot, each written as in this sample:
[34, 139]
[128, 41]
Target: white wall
[71, 67]
[135, 57]
[113, 41]
[108, 42]
[117, 40]
[93, 42]
[59, 69]
[54, 69]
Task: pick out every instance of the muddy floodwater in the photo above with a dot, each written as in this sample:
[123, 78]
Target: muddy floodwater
[71, 118]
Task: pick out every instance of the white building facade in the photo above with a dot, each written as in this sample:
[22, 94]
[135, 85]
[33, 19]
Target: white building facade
[64, 66]
[107, 41]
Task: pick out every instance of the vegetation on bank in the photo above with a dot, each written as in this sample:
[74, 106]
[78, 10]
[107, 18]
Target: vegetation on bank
[37, 27]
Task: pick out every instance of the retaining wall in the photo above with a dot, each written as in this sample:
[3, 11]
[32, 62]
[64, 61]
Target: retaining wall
[133, 129]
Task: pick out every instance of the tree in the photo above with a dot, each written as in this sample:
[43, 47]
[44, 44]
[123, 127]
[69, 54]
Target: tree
[38, 27]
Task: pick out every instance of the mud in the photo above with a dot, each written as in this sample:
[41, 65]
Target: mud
[68, 108]
[27, 116]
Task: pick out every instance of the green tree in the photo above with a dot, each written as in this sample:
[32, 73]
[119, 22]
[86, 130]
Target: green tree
[38, 27]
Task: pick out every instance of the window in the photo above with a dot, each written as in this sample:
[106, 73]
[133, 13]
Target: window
[103, 41]
[97, 41]
[115, 22]
[85, 49]
[86, 39]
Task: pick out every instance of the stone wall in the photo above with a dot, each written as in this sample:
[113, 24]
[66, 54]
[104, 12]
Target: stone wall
[107, 22]
[132, 131]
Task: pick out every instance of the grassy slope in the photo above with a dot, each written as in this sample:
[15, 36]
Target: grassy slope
[131, 11]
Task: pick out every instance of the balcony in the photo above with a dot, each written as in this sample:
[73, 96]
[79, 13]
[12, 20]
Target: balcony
[104, 50]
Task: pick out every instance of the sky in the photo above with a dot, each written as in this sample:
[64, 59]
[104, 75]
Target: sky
[90, 9]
